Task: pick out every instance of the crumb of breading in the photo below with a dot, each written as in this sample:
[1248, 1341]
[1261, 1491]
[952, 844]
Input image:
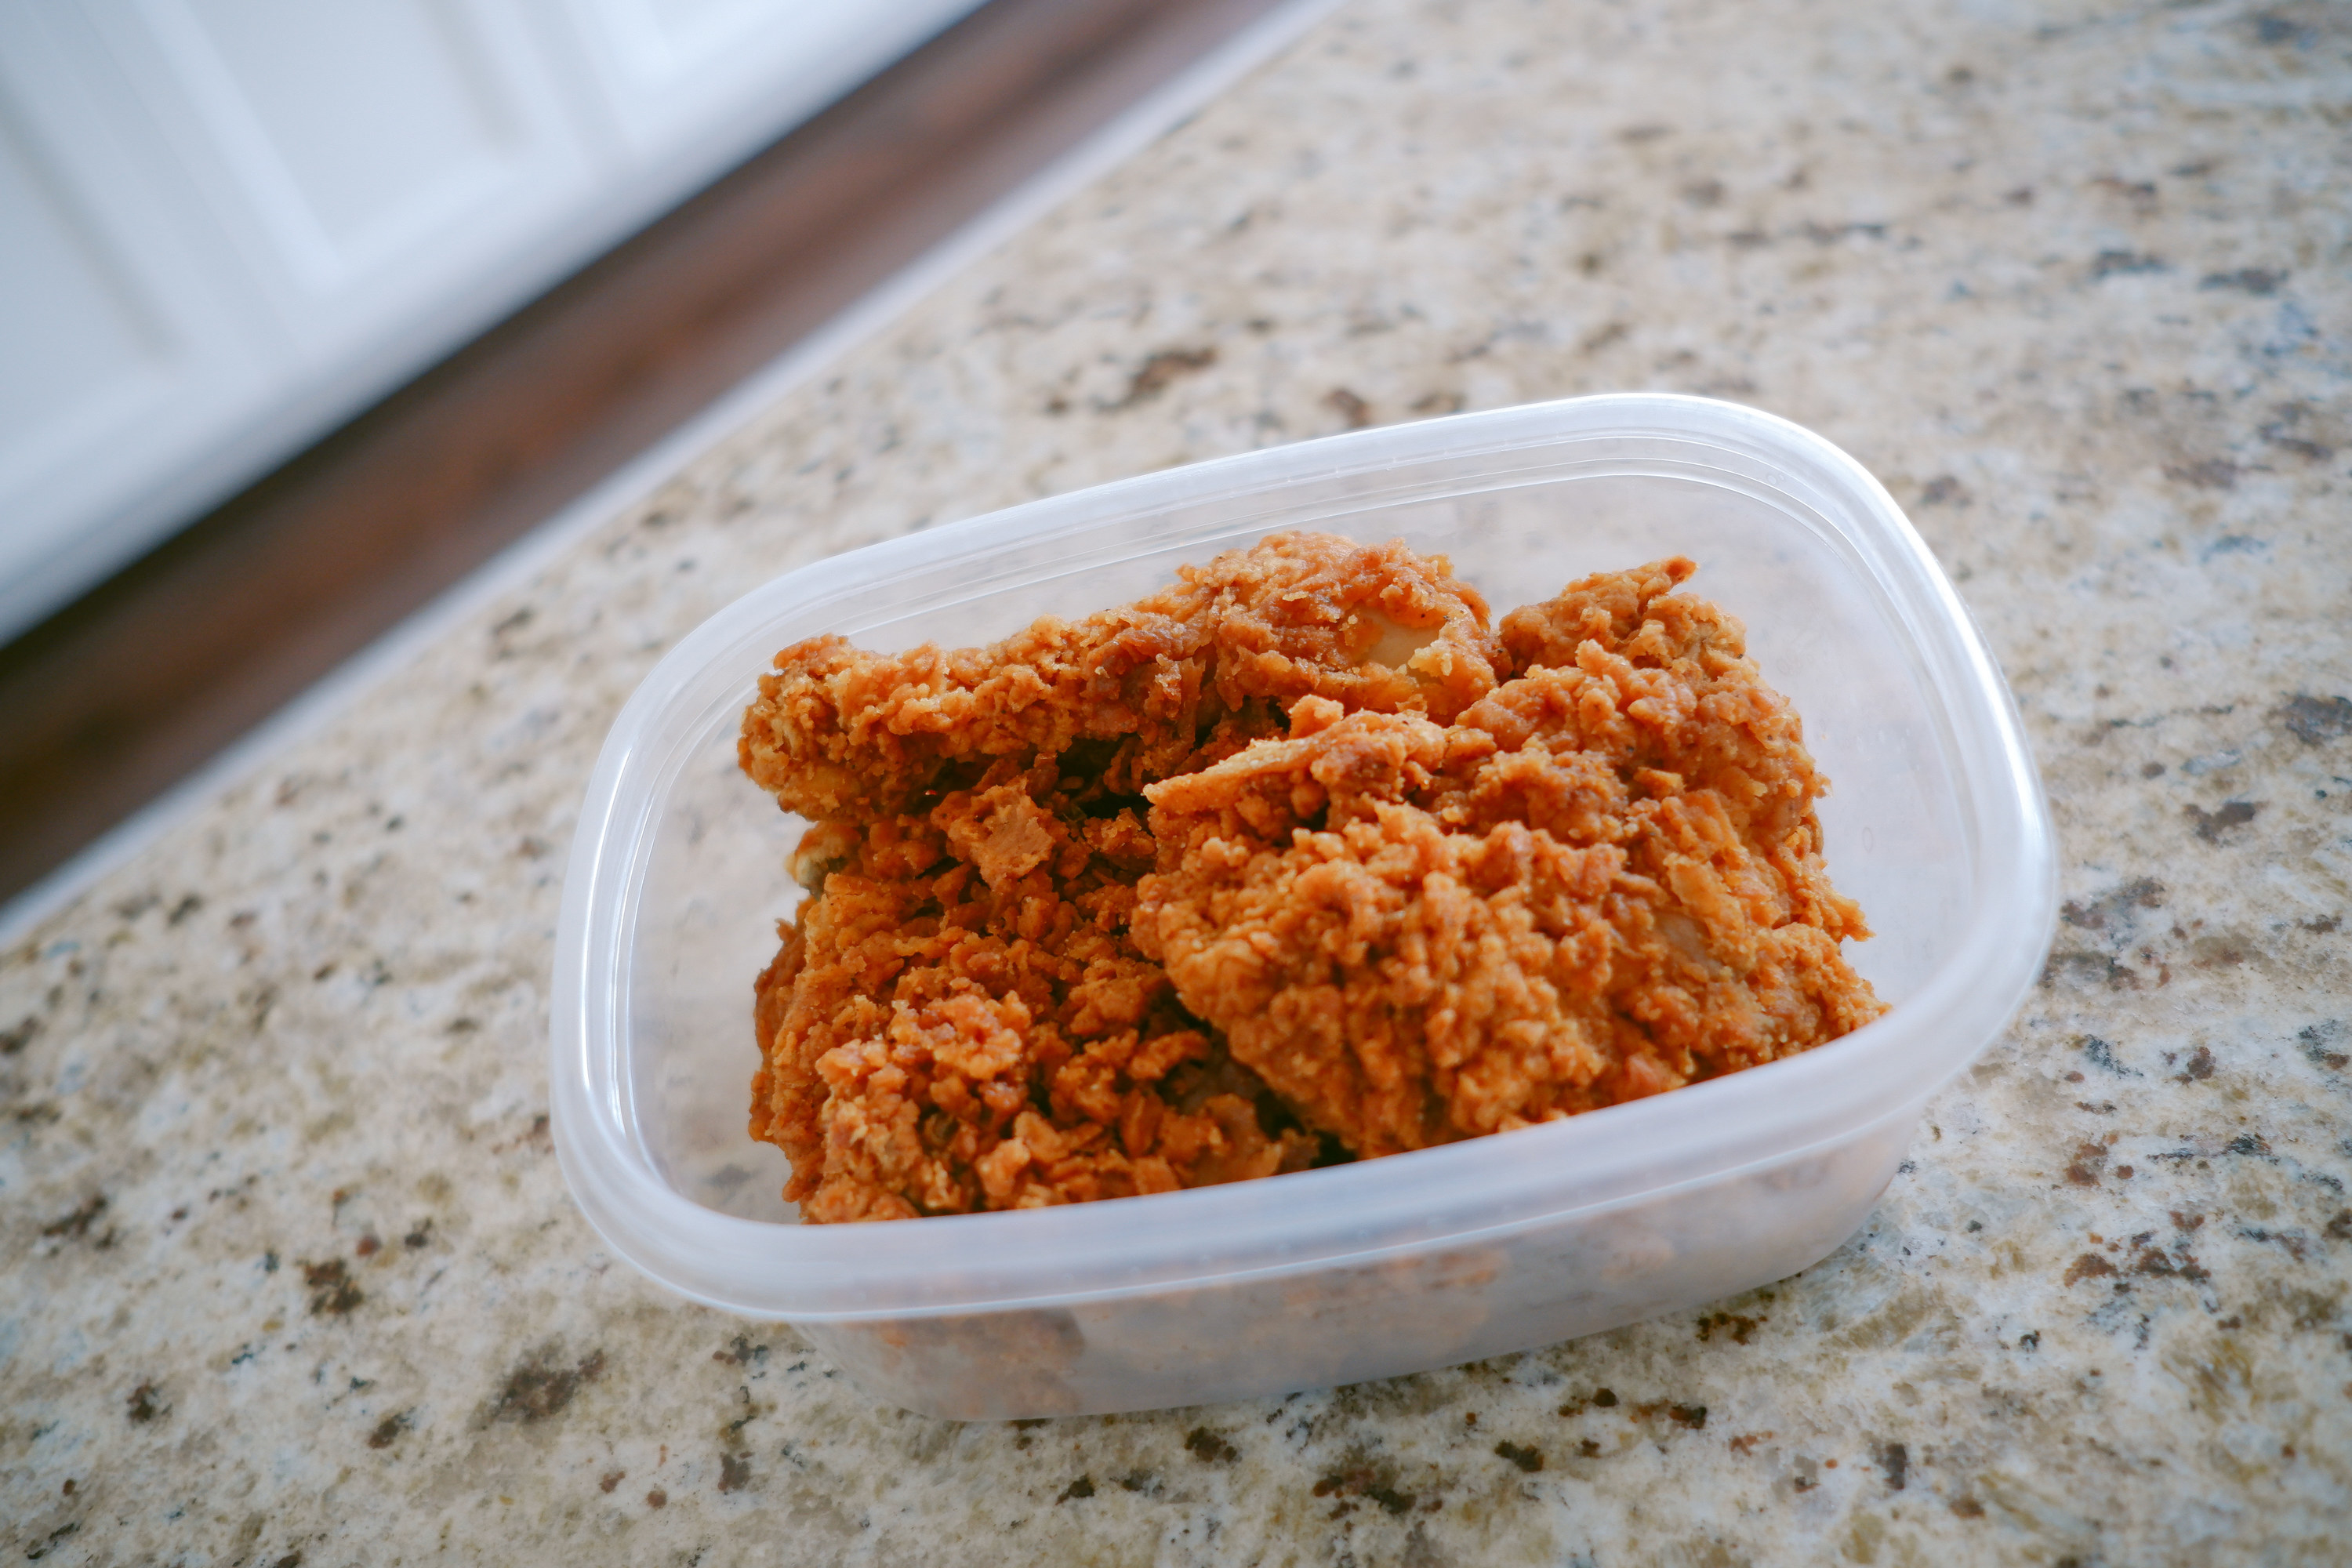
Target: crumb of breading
[1292, 861]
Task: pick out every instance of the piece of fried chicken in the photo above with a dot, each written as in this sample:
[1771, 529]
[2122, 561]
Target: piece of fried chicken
[1143, 692]
[1601, 882]
[961, 1020]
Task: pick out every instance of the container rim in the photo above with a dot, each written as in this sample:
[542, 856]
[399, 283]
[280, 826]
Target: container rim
[818, 1273]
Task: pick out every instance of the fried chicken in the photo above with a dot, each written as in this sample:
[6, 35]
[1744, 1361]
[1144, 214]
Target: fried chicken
[961, 1022]
[1149, 690]
[1293, 860]
[1601, 882]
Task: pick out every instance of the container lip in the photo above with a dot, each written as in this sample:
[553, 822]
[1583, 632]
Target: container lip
[818, 1271]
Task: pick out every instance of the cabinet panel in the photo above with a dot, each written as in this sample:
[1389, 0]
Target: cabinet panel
[351, 126]
[676, 78]
[79, 343]
[128, 357]
[371, 158]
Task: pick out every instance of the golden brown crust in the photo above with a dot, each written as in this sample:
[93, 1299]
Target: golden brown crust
[947, 1032]
[1097, 919]
[837, 732]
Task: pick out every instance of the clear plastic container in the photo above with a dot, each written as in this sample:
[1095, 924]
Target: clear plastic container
[1936, 823]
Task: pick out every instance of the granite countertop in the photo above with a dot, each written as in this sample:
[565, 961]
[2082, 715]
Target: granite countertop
[293, 1275]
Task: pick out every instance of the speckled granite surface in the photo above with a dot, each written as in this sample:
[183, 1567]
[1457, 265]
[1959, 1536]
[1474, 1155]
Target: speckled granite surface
[292, 1274]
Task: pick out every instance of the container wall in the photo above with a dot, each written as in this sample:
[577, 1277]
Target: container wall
[1405, 1311]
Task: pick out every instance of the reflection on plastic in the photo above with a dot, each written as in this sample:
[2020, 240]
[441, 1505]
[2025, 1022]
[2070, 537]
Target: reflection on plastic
[1427, 1307]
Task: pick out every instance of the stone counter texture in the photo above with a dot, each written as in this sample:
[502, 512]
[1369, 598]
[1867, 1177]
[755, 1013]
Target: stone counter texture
[293, 1276]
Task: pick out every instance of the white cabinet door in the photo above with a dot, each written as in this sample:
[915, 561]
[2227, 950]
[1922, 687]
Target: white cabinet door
[127, 347]
[373, 161]
[225, 225]
[686, 80]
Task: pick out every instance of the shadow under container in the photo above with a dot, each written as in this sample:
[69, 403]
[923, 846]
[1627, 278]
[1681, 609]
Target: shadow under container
[1936, 823]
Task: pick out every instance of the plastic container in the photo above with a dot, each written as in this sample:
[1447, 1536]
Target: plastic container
[1937, 824]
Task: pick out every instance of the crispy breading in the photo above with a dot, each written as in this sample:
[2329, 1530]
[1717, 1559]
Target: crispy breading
[1425, 965]
[961, 1022]
[1691, 702]
[1159, 685]
[1115, 907]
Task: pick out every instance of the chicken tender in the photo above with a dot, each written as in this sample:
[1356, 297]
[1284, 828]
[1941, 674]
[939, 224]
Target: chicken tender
[1152, 690]
[1402, 977]
[961, 1022]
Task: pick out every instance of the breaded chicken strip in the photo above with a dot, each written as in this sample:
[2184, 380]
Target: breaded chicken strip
[961, 1022]
[1155, 688]
[1601, 881]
